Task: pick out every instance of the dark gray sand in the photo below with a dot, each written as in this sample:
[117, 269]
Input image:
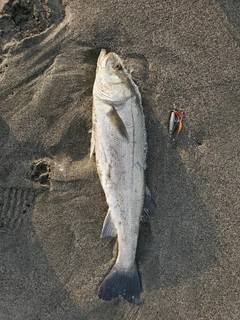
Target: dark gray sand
[181, 53]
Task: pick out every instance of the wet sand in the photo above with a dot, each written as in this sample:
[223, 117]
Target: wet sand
[181, 54]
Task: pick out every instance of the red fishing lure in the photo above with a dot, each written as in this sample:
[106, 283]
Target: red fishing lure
[175, 123]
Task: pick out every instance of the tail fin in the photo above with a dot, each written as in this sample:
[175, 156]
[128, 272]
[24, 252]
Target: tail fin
[119, 282]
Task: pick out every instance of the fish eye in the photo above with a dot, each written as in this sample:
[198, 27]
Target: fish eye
[117, 66]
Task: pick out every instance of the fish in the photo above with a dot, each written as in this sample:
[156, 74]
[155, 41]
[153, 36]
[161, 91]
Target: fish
[119, 142]
[175, 123]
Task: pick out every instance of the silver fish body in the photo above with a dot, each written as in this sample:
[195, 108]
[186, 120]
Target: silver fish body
[119, 141]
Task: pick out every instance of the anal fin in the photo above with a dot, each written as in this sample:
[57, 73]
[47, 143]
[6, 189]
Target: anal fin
[108, 229]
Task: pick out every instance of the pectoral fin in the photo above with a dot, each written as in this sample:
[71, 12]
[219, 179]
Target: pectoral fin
[108, 229]
[117, 123]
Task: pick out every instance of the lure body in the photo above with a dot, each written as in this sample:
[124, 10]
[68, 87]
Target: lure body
[175, 123]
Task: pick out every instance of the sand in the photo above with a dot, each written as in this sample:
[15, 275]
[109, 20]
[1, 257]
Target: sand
[182, 54]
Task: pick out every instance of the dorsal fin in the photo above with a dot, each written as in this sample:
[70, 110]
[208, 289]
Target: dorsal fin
[149, 207]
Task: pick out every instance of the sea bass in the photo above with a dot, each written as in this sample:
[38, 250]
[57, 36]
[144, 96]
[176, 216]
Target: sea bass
[120, 145]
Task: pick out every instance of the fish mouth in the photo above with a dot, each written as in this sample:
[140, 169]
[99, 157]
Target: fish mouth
[101, 58]
[104, 58]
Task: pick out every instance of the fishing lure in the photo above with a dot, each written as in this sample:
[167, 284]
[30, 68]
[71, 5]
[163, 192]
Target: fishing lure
[175, 123]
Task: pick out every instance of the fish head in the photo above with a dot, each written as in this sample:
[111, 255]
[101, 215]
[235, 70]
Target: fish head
[110, 65]
[112, 83]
